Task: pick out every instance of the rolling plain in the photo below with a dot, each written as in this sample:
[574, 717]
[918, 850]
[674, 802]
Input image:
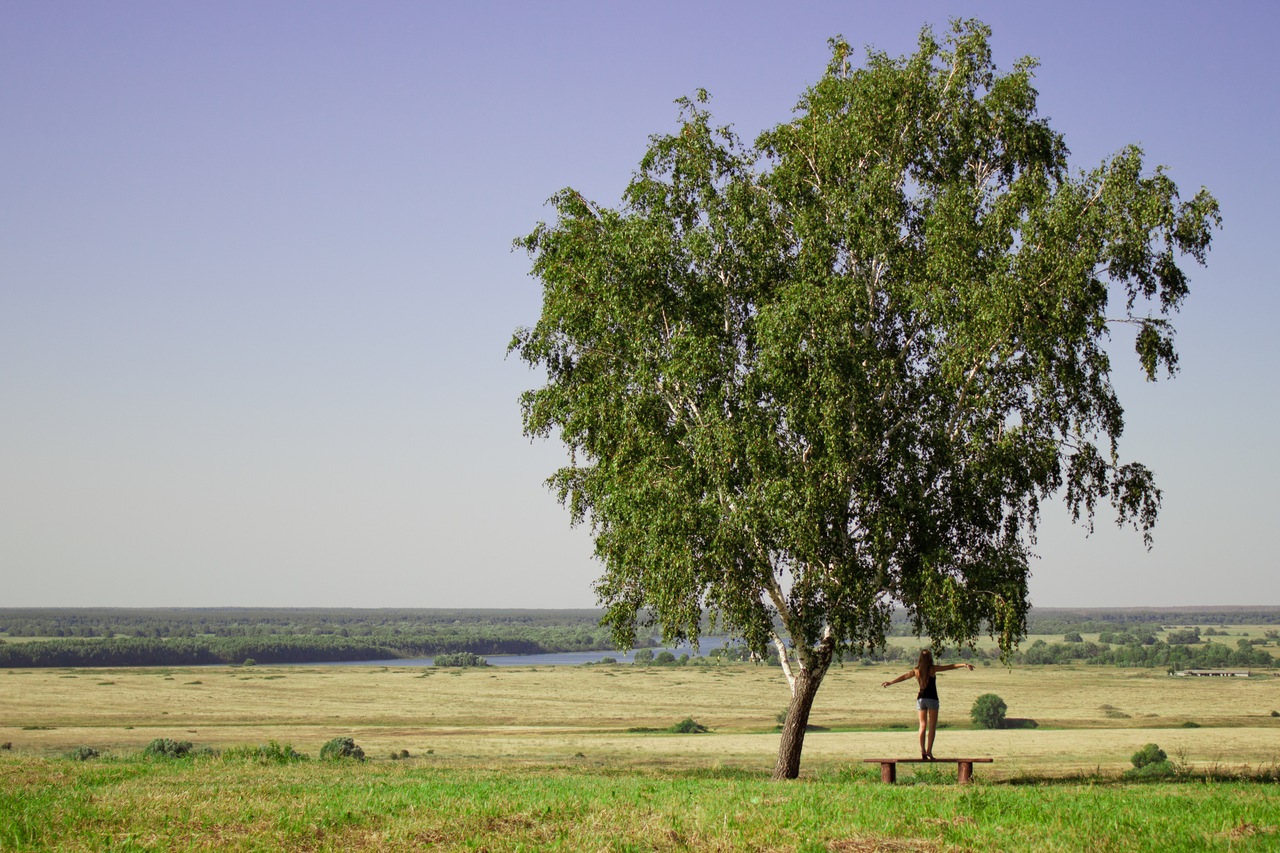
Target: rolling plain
[578, 758]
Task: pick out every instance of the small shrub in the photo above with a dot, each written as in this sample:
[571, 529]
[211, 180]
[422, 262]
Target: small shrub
[664, 659]
[1072, 637]
[1191, 724]
[1149, 754]
[1155, 770]
[7, 745]
[782, 716]
[608, 660]
[83, 753]
[163, 747]
[688, 726]
[249, 662]
[988, 711]
[404, 753]
[341, 747]
[643, 656]
[1275, 713]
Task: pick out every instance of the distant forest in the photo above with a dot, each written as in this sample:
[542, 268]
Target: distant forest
[102, 636]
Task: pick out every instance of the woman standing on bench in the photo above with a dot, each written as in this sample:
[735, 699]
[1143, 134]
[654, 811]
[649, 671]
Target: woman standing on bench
[926, 676]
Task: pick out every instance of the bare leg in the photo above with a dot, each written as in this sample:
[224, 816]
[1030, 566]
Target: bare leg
[930, 722]
[924, 730]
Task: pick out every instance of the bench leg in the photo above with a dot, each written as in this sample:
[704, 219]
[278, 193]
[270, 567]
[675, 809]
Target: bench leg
[966, 772]
[888, 772]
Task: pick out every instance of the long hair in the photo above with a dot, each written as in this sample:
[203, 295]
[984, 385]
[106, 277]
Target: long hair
[924, 668]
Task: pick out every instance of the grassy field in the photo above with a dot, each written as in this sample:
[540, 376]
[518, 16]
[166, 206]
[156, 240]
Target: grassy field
[418, 804]
[1088, 717]
[510, 758]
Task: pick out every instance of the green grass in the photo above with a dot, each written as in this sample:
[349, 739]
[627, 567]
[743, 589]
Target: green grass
[136, 804]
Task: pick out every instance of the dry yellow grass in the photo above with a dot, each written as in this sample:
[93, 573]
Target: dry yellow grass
[1089, 716]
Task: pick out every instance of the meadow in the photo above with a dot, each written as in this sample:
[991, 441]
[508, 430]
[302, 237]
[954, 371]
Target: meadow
[537, 758]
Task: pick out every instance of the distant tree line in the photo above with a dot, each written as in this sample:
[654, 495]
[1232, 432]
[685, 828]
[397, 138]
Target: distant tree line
[307, 648]
[195, 636]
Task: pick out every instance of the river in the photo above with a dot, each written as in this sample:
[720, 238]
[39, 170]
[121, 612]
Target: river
[705, 645]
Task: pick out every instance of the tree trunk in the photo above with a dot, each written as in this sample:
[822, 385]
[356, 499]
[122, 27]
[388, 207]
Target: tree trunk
[803, 690]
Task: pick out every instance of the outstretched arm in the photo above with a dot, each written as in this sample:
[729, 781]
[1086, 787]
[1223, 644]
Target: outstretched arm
[953, 666]
[902, 677]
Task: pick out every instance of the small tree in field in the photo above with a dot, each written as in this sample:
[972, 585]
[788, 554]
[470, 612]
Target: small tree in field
[809, 380]
[988, 711]
[1148, 754]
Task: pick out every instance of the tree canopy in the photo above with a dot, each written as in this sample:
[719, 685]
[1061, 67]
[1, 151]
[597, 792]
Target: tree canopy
[808, 380]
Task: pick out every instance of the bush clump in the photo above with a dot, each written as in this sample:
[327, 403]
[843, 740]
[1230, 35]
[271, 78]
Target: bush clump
[163, 747]
[988, 711]
[341, 747]
[1147, 755]
[688, 726]
[460, 659]
[83, 753]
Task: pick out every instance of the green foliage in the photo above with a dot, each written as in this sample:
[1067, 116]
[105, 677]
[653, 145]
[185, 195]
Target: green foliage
[270, 753]
[460, 659]
[1186, 637]
[92, 636]
[1162, 769]
[1148, 754]
[163, 747]
[1073, 637]
[664, 658]
[83, 753]
[988, 711]
[643, 656]
[688, 726]
[340, 748]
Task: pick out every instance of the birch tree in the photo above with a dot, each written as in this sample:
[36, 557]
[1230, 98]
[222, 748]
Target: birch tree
[837, 371]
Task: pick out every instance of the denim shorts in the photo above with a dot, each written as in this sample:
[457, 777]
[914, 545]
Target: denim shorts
[927, 705]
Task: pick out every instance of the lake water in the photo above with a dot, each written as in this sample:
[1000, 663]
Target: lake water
[705, 645]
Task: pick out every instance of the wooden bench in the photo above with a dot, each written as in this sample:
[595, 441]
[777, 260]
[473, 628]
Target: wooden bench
[889, 766]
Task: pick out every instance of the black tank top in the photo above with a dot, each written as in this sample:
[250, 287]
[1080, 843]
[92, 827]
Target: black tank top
[931, 689]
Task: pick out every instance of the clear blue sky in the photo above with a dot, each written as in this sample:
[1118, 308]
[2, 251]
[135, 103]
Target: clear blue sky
[256, 286]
